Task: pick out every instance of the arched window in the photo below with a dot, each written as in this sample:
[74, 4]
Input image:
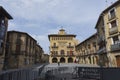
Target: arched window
[62, 52]
[70, 60]
[54, 60]
[62, 60]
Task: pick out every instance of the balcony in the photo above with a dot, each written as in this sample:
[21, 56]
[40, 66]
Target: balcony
[70, 54]
[54, 46]
[113, 30]
[112, 16]
[54, 55]
[63, 55]
[70, 46]
[115, 47]
[102, 50]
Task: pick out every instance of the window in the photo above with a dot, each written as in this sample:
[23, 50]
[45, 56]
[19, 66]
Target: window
[115, 40]
[62, 51]
[69, 44]
[94, 44]
[113, 24]
[17, 48]
[18, 40]
[88, 46]
[112, 13]
[54, 44]
[71, 52]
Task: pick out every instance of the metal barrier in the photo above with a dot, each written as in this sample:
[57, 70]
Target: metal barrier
[82, 73]
[95, 73]
[22, 74]
[62, 73]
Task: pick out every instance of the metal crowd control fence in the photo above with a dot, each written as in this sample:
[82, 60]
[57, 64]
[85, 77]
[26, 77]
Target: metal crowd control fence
[82, 73]
[62, 73]
[22, 74]
[93, 73]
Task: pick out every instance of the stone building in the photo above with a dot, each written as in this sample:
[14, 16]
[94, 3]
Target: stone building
[45, 58]
[20, 50]
[4, 17]
[108, 29]
[87, 51]
[38, 54]
[62, 47]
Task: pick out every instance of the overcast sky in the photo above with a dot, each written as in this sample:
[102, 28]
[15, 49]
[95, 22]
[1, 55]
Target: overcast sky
[42, 17]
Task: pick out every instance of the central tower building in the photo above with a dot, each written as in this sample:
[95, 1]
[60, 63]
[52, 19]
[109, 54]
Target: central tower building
[62, 47]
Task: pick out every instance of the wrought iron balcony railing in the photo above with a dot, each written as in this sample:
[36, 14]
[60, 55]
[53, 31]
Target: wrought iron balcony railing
[54, 46]
[55, 55]
[115, 47]
[70, 46]
[113, 30]
[70, 54]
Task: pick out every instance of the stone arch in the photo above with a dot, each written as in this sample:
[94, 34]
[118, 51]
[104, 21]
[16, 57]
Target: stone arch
[96, 59]
[70, 60]
[89, 58]
[54, 60]
[62, 60]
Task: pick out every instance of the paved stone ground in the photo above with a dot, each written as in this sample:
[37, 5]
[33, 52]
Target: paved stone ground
[62, 72]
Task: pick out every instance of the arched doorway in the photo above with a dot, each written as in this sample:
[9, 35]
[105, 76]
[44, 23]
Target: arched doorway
[70, 60]
[62, 60]
[54, 60]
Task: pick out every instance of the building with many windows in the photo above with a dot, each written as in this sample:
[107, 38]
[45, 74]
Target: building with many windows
[45, 58]
[87, 51]
[22, 50]
[108, 28]
[62, 47]
[4, 17]
[38, 54]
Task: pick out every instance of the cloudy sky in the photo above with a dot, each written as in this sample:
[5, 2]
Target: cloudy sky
[42, 17]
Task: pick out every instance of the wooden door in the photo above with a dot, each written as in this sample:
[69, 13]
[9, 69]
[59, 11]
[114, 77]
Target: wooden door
[118, 61]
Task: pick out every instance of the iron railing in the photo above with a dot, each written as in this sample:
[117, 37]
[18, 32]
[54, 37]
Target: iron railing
[81, 73]
[22, 74]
